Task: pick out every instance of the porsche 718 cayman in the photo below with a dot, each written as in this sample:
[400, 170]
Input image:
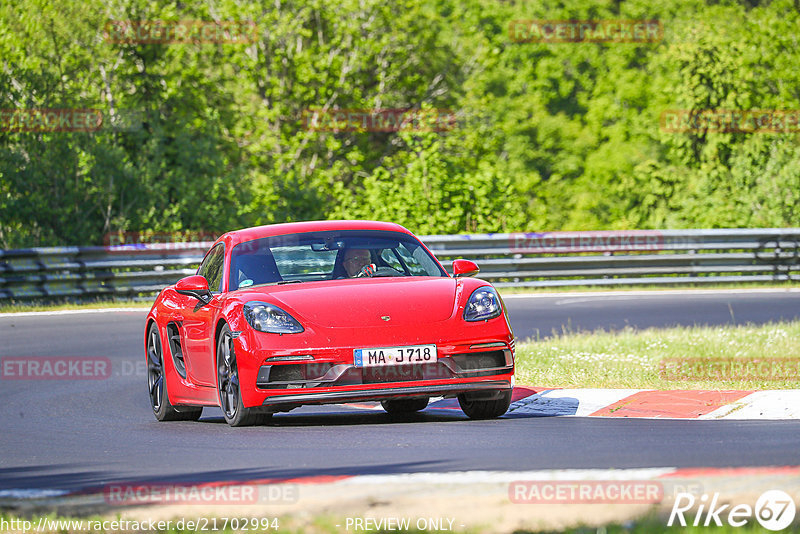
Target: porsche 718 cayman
[287, 315]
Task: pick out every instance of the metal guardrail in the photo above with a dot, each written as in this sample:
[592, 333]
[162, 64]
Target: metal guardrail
[606, 258]
[125, 270]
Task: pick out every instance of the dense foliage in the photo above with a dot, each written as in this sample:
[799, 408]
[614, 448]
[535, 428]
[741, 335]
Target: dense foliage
[211, 136]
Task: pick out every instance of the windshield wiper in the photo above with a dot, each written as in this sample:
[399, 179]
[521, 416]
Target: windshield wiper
[282, 282]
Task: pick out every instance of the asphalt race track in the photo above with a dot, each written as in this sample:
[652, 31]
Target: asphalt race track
[80, 434]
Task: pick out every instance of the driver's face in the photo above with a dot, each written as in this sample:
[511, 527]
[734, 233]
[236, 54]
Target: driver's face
[354, 260]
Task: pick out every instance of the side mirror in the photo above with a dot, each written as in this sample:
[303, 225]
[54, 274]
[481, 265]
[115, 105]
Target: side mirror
[465, 268]
[194, 286]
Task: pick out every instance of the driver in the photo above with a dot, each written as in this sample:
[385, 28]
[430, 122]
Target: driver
[357, 261]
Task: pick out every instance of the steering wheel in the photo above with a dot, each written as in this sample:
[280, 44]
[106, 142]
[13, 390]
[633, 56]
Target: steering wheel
[372, 271]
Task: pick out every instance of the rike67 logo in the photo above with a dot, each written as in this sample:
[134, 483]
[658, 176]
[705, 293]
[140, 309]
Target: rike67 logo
[774, 510]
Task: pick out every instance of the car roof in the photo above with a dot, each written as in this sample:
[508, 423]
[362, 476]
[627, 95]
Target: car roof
[235, 237]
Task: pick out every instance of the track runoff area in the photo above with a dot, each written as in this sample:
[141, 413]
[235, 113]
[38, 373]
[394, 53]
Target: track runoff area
[689, 474]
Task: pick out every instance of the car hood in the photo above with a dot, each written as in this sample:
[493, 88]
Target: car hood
[359, 302]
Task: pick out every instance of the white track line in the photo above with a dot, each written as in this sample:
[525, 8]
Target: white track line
[31, 493]
[474, 477]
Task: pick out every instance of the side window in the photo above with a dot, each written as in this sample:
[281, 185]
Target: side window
[418, 261]
[389, 256]
[211, 268]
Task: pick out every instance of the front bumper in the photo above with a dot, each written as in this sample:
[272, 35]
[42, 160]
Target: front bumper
[288, 402]
[317, 367]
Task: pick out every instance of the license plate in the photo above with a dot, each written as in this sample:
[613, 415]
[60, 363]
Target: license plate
[385, 356]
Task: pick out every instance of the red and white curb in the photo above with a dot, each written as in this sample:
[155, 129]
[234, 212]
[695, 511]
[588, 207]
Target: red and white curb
[672, 404]
[642, 403]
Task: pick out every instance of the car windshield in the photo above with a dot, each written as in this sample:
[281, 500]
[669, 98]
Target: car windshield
[329, 255]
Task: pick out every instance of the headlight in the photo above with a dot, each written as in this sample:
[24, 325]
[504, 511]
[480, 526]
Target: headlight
[482, 304]
[269, 318]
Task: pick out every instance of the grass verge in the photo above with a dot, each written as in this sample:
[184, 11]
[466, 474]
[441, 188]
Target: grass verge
[726, 357]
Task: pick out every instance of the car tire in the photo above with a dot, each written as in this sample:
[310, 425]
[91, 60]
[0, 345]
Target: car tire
[228, 389]
[404, 406]
[163, 409]
[485, 409]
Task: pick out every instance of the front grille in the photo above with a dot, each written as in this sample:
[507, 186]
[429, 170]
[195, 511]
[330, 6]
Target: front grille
[391, 373]
[286, 373]
[293, 374]
[310, 375]
[480, 363]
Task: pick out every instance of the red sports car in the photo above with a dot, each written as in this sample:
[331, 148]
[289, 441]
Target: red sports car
[286, 315]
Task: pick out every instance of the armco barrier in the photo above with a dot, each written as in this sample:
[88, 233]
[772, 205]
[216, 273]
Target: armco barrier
[606, 258]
